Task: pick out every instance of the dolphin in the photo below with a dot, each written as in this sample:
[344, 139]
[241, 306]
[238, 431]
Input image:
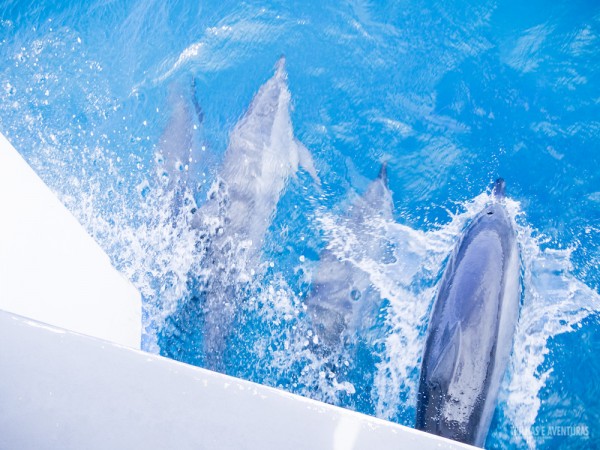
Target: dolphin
[179, 145]
[261, 157]
[471, 328]
[342, 299]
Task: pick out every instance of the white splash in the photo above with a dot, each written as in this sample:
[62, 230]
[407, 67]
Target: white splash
[554, 303]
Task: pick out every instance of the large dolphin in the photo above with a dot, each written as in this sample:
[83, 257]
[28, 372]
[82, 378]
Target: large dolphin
[471, 328]
[261, 157]
[342, 299]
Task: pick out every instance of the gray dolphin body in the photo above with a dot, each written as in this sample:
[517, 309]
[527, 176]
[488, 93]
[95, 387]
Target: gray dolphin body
[262, 155]
[342, 299]
[180, 142]
[471, 329]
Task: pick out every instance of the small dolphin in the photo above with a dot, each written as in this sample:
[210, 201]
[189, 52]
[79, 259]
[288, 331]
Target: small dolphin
[342, 299]
[179, 144]
[471, 328]
[261, 157]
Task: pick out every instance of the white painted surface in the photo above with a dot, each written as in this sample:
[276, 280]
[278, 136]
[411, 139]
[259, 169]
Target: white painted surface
[68, 391]
[51, 269]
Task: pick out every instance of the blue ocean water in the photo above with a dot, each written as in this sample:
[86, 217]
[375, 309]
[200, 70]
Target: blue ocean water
[451, 94]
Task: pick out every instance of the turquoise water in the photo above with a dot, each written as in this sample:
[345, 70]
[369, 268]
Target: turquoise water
[451, 94]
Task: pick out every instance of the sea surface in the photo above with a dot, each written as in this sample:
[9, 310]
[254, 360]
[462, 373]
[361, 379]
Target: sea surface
[450, 94]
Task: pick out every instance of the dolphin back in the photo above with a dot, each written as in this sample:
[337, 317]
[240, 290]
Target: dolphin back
[471, 329]
[343, 300]
[179, 143]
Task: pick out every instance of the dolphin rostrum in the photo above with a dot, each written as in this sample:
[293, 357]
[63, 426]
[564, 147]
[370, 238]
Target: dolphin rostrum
[471, 328]
[342, 299]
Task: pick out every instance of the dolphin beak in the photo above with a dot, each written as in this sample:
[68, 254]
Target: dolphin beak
[280, 67]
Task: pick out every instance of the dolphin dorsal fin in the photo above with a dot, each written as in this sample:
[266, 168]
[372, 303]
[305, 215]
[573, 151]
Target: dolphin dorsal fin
[499, 189]
[383, 175]
[197, 107]
[305, 161]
